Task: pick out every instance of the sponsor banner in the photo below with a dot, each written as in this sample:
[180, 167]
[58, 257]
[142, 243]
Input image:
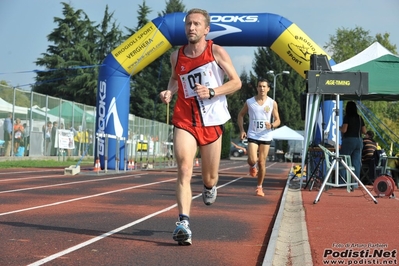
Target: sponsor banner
[64, 139]
[330, 125]
[295, 48]
[141, 49]
[233, 29]
[112, 115]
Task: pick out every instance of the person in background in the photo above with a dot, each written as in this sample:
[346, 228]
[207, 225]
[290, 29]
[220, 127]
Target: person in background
[91, 143]
[71, 150]
[239, 147]
[369, 147]
[261, 109]
[47, 138]
[53, 139]
[198, 74]
[18, 135]
[85, 141]
[7, 130]
[26, 138]
[369, 154]
[78, 142]
[8, 134]
[352, 142]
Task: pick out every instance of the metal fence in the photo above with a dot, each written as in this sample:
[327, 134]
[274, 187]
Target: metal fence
[147, 140]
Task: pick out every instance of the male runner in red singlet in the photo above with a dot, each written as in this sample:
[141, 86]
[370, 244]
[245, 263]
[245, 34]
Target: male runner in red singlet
[260, 108]
[198, 71]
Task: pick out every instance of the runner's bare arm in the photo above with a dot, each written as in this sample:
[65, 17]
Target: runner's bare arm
[224, 60]
[276, 115]
[166, 95]
[240, 120]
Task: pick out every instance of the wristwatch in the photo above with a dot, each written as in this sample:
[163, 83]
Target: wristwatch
[211, 93]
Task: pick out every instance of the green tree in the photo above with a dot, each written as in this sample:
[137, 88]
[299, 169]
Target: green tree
[7, 94]
[226, 140]
[72, 60]
[142, 19]
[146, 85]
[384, 41]
[236, 101]
[346, 43]
[108, 36]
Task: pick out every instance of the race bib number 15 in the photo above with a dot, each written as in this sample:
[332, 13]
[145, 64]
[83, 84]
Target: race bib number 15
[259, 125]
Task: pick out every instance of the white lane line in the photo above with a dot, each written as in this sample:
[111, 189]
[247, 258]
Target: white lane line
[31, 177]
[23, 172]
[69, 183]
[98, 238]
[242, 166]
[85, 197]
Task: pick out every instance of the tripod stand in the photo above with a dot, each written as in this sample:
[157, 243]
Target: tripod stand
[316, 158]
[335, 165]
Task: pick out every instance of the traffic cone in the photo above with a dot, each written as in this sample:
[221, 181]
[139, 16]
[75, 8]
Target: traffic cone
[196, 162]
[97, 166]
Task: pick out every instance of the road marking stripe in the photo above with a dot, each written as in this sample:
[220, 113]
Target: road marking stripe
[85, 197]
[98, 238]
[69, 183]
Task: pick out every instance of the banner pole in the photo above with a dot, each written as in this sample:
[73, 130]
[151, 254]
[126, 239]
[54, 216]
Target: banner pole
[167, 114]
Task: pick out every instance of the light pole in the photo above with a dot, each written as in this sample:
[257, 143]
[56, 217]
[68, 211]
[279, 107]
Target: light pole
[271, 72]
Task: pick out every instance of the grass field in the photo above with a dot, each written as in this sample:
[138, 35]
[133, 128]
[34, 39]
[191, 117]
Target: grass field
[43, 163]
[53, 161]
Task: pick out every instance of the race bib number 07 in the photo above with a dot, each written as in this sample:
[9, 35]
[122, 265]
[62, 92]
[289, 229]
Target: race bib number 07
[206, 78]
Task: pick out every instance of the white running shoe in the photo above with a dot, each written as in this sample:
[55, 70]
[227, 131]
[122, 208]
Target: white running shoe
[182, 233]
[209, 195]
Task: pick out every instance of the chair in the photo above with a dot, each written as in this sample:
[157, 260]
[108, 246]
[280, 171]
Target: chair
[392, 170]
[348, 162]
[329, 157]
[2, 148]
[315, 166]
[368, 172]
[375, 168]
[381, 162]
[288, 156]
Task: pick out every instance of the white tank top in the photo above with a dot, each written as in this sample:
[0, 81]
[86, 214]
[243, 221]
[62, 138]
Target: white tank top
[258, 116]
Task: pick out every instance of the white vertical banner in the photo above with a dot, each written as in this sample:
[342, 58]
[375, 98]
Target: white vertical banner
[64, 139]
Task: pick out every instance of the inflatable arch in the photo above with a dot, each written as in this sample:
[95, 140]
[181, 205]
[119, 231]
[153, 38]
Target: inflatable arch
[158, 36]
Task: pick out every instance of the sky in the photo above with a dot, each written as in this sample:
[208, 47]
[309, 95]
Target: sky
[25, 24]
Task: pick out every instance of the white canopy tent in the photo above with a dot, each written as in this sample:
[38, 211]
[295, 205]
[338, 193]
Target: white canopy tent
[7, 107]
[372, 52]
[286, 133]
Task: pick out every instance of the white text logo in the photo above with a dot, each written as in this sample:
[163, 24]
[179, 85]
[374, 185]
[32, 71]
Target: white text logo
[101, 116]
[228, 19]
[104, 116]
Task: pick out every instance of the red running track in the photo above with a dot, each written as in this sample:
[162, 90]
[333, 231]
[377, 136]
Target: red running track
[350, 229]
[128, 218]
